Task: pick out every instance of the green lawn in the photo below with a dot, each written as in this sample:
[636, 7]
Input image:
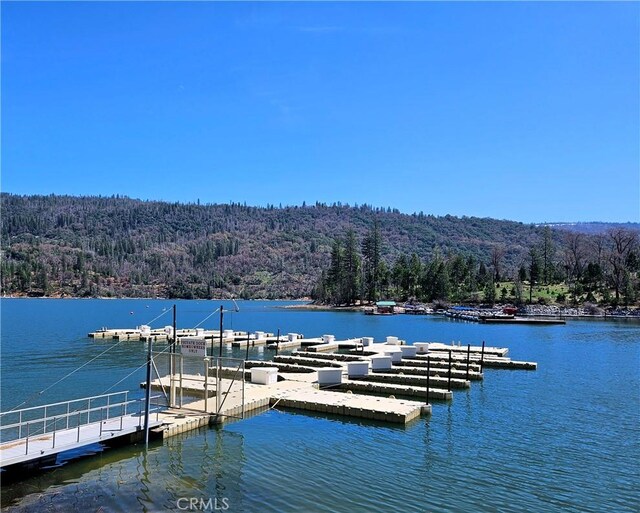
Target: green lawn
[548, 292]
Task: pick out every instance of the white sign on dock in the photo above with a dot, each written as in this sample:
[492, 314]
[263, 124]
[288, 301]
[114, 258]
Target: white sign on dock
[193, 346]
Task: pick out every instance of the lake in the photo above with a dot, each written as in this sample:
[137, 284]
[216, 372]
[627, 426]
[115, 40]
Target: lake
[562, 438]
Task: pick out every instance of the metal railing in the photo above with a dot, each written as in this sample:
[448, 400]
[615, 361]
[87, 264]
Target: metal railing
[235, 367]
[25, 424]
[218, 375]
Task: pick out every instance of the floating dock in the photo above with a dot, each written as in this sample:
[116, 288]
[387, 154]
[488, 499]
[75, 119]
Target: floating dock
[493, 317]
[520, 320]
[352, 405]
[386, 382]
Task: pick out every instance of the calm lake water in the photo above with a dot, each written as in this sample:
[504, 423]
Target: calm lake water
[562, 438]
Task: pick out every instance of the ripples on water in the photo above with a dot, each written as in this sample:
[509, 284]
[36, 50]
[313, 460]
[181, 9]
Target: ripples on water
[562, 438]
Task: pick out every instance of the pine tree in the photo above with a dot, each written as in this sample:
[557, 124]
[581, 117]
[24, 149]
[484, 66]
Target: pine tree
[371, 250]
[351, 268]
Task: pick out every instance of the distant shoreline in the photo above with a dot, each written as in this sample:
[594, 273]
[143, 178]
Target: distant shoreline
[306, 304]
[217, 299]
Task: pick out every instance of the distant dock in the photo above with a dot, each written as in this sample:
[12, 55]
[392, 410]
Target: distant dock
[493, 317]
[520, 320]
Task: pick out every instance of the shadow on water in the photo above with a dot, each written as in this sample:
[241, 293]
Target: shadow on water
[205, 459]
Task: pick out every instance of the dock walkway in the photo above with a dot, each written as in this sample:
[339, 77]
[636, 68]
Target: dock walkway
[40, 433]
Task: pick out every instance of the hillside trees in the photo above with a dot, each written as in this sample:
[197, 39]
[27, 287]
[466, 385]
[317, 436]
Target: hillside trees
[122, 247]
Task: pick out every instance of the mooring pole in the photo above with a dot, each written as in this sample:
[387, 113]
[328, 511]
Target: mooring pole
[449, 380]
[468, 356]
[172, 387]
[221, 317]
[482, 358]
[147, 396]
[206, 383]
[175, 329]
[247, 355]
[212, 342]
[428, 375]
[278, 342]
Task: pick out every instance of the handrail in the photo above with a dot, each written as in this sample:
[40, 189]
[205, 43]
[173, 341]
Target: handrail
[63, 402]
[79, 413]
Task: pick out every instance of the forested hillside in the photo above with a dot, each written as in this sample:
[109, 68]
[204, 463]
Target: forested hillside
[117, 246]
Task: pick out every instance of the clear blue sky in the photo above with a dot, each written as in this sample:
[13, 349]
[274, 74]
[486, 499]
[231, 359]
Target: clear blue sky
[524, 111]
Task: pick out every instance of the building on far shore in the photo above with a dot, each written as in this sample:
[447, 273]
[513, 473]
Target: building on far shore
[385, 307]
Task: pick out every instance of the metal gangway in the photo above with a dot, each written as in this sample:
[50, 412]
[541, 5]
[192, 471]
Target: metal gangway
[42, 432]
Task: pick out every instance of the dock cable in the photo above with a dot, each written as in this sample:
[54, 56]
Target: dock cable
[136, 369]
[120, 381]
[37, 394]
[166, 310]
[211, 314]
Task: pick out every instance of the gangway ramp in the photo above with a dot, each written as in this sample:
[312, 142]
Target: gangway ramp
[30, 435]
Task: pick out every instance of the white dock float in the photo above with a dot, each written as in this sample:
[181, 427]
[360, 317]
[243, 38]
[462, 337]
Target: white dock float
[357, 369]
[394, 353]
[264, 375]
[421, 347]
[408, 351]
[380, 362]
[329, 376]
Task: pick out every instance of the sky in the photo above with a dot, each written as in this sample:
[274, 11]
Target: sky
[521, 111]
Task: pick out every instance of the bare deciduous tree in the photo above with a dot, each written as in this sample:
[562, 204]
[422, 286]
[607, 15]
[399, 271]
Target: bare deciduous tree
[497, 254]
[622, 242]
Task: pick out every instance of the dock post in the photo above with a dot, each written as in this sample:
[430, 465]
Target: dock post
[468, 357]
[206, 383]
[221, 317]
[219, 387]
[147, 396]
[278, 342]
[246, 357]
[482, 358]
[243, 380]
[172, 356]
[181, 373]
[428, 375]
[449, 379]
[27, 441]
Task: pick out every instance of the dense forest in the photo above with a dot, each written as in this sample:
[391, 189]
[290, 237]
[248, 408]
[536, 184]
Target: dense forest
[594, 269]
[122, 247]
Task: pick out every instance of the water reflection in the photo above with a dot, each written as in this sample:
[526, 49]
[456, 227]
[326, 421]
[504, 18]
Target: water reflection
[207, 463]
